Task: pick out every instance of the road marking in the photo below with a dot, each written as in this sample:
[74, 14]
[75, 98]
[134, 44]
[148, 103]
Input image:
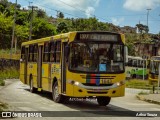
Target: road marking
[139, 104]
[20, 102]
[27, 109]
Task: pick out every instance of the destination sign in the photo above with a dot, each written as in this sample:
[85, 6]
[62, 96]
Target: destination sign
[99, 37]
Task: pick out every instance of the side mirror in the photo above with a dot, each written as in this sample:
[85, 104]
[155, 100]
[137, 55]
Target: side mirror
[125, 54]
[21, 60]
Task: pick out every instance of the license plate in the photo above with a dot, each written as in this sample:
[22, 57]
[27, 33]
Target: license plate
[106, 81]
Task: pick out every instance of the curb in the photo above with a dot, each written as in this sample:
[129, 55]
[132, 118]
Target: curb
[140, 97]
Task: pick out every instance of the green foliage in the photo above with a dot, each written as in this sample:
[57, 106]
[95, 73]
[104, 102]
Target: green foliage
[9, 73]
[62, 27]
[142, 28]
[44, 26]
[21, 18]
[143, 93]
[60, 15]
[41, 28]
[5, 31]
[130, 39]
[21, 33]
[139, 84]
[3, 106]
[41, 13]
[2, 83]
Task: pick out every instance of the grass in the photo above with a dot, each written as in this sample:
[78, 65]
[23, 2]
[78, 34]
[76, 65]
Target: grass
[139, 84]
[2, 83]
[143, 93]
[8, 73]
[3, 106]
[7, 51]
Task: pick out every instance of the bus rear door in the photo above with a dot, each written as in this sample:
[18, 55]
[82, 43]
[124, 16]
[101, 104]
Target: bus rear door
[39, 67]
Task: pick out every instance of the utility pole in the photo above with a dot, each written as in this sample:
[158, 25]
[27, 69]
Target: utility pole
[57, 13]
[30, 31]
[13, 30]
[147, 16]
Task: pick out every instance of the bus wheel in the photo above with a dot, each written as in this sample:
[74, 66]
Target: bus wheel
[103, 101]
[58, 98]
[32, 89]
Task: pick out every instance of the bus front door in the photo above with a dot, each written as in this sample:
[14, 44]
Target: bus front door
[39, 67]
[63, 69]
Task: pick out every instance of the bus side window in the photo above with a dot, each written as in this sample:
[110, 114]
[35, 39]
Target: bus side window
[46, 52]
[52, 52]
[35, 53]
[30, 58]
[23, 53]
[58, 51]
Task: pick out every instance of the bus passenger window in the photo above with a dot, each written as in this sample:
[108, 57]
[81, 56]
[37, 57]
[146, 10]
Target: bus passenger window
[30, 58]
[23, 53]
[52, 52]
[46, 52]
[35, 53]
[58, 51]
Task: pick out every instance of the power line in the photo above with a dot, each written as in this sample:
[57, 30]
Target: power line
[83, 11]
[31, 20]
[57, 10]
[72, 6]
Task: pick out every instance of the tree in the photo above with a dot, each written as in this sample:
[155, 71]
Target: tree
[142, 28]
[5, 30]
[21, 32]
[41, 13]
[41, 28]
[22, 18]
[62, 27]
[60, 15]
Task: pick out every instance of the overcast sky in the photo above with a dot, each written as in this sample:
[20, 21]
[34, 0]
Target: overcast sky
[118, 12]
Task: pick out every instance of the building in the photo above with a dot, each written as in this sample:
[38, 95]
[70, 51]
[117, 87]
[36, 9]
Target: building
[147, 50]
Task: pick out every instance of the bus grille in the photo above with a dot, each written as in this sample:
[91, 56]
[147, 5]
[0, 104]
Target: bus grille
[93, 92]
[90, 84]
[95, 76]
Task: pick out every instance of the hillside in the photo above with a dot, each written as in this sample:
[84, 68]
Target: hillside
[44, 25]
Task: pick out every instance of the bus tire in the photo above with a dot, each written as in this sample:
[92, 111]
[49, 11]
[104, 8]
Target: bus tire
[103, 101]
[58, 98]
[32, 89]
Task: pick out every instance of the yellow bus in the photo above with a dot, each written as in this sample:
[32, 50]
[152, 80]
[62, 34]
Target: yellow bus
[69, 65]
[154, 70]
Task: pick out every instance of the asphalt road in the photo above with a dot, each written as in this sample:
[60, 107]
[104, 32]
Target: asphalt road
[19, 98]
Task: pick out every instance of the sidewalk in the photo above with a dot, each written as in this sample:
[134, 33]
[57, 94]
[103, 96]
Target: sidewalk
[151, 98]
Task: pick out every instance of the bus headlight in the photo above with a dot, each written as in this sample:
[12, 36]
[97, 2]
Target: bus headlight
[76, 83]
[120, 83]
[73, 82]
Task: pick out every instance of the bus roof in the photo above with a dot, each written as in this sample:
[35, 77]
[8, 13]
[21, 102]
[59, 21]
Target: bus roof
[157, 58]
[135, 57]
[72, 35]
[41, 40]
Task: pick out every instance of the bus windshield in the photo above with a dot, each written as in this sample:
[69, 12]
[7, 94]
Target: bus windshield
[154, 67]
[96, 57]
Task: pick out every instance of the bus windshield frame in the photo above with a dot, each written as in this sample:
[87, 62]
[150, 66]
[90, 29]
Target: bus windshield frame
[154, 65]
[85, 57]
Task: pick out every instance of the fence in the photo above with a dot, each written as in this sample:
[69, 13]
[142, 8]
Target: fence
[7, 61]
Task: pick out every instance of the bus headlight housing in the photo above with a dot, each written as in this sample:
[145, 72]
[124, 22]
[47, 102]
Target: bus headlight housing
[74, 82]
[120, 83]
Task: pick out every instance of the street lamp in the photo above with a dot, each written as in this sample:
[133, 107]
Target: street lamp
[147, 16]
